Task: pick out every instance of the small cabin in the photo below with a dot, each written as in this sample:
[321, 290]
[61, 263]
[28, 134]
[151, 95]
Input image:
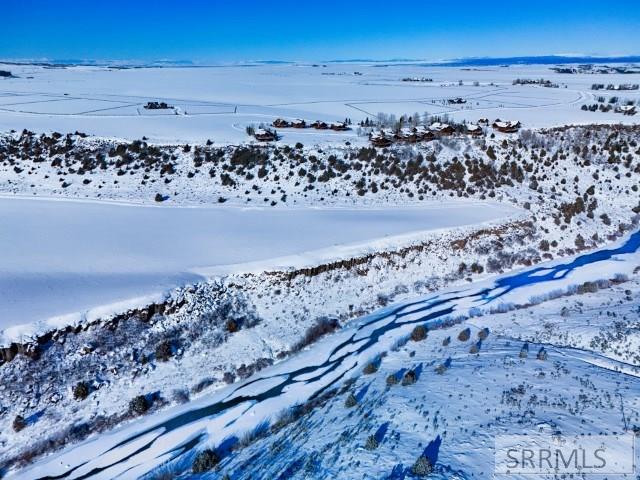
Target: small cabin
[263, 135]
[281, 123]
[299, 123]
[318, 125]
[339, 126]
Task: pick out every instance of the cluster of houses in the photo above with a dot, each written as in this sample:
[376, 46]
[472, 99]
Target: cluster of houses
[157, 106]
[265, 134]
[318, 125]
[421, 133]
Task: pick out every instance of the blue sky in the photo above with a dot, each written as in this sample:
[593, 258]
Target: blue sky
[217, 31]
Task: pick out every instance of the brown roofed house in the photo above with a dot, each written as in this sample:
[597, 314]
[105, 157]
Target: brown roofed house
[339, 126]
[380, 139]
[263, 135]
[281, 123]
[507, 126]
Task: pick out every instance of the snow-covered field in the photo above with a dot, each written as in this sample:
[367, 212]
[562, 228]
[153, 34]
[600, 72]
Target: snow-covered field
[64, 261]
[218, 102]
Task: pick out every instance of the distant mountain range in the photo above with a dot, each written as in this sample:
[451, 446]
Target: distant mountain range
[456, 62]
[535, 60]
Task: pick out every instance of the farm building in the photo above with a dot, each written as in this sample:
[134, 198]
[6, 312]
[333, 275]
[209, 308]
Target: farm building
[281, 123]
[318, 125]
[299, 123]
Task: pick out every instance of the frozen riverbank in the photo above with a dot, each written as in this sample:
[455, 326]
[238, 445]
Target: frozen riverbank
[65, 260]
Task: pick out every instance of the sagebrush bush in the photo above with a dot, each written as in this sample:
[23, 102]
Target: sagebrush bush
[440, 369]
[483, 334]
[370, 368]
[419, 333]
[464, 335]
[422, 467]
[351, 401]
[19, 423]
[139, 405]
[205, 461]
[409, 378]
[164, 351]
[371, 443]
[81, 391]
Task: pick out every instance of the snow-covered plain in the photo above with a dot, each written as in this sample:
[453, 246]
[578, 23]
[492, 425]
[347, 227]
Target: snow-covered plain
[218, 102]
[64, 261]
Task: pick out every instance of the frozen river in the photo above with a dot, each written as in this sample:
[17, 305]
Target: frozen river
[175, 434]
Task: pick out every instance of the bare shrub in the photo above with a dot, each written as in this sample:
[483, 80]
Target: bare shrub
[322, 327]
